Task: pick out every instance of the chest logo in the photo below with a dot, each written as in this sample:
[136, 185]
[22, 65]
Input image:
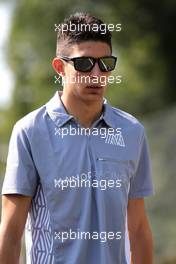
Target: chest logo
[114, 139]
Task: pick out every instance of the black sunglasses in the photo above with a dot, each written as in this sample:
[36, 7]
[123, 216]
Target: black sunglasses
[86, 64]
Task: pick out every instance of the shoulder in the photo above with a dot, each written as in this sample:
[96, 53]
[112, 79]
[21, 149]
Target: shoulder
[31, 120]
[126, 121]
[125, 117]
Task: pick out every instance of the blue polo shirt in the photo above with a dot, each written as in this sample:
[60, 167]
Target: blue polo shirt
[80, 181]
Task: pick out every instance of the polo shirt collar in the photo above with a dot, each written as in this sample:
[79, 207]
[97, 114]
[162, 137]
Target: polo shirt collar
[57, 112]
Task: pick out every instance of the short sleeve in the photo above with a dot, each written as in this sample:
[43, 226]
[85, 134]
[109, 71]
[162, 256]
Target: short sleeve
[21, 175]
[141, 184]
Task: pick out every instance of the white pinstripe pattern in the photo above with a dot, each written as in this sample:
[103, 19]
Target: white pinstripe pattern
[38, 236]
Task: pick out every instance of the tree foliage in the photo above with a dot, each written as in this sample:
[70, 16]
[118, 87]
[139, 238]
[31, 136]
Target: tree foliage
[145, 48]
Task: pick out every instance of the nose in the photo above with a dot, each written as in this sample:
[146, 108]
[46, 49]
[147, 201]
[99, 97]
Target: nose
[95, 72]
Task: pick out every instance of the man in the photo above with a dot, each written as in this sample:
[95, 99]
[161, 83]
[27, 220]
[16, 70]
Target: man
[77, 169]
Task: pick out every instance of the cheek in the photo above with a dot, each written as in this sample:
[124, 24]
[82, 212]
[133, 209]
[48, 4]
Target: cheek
[82, 78]
[74, 78]
[70, 75]
[69, 70]
[106, 76]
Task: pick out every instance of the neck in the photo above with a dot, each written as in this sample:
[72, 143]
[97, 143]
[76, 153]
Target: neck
[85, 112]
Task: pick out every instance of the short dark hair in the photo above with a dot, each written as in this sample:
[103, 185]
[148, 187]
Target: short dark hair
[84, 30]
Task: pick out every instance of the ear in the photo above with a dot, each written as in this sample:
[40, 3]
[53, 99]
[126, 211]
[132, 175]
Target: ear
[58, 66]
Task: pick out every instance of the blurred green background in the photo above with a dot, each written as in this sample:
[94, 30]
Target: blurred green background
[145, 48]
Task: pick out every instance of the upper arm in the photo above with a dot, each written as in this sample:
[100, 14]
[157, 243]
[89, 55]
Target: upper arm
[21, 176]
[141, 184]
[15, 208]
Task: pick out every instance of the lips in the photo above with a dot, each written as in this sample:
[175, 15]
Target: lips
[94, 87]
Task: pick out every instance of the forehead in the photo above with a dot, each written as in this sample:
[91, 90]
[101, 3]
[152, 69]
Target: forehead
[90, 48]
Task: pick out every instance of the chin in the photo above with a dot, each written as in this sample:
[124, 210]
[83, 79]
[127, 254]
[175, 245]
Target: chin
[92, 97]
[89, 95]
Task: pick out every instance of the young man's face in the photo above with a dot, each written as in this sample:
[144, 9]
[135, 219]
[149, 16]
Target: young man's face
[88, 86]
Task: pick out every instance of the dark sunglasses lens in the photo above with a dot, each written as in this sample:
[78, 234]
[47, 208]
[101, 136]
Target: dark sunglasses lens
[107, 64]
[83, 64]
